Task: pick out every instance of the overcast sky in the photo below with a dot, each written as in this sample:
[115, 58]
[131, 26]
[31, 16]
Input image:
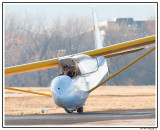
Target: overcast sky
[105, 11]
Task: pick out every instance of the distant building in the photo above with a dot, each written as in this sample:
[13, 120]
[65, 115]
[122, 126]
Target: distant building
[115, 24]
[139, 23]
[128, 21]
[133, 25]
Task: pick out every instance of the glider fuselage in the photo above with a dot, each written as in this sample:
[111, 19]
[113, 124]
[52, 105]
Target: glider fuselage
[71, 93]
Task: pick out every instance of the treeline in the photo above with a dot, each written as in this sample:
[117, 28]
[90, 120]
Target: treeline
[29, 41]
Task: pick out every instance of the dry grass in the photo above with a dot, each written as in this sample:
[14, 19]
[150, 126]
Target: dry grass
[102, 99]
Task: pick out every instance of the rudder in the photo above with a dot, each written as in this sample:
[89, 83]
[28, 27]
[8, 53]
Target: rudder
[98, 43]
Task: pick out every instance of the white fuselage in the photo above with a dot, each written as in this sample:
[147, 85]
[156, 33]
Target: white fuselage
[71, 93]
[67, 93]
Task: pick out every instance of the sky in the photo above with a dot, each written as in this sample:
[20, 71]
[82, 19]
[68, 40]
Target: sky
[105, 11]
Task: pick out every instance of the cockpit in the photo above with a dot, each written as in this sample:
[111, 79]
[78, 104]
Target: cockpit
[67, 66]
[77, 65]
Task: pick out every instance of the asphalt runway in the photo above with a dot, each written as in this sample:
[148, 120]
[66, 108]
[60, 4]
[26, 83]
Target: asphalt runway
[129, 118]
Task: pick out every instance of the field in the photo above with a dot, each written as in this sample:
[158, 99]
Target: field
[102, 99]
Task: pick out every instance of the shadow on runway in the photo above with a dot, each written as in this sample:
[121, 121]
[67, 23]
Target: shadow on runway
[122, 111]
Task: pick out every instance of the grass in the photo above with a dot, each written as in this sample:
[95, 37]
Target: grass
[106, 98]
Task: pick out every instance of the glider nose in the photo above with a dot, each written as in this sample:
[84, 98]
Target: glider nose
[60, 85]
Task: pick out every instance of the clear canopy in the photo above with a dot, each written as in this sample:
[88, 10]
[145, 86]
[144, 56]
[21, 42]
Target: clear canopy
[88, 65]
[83, 64]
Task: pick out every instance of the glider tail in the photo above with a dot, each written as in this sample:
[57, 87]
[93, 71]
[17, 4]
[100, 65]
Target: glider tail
[98, 43]
[95, 78]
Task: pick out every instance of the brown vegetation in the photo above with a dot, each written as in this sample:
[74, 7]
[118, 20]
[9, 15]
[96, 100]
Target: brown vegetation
[29, 40]
[106, 98]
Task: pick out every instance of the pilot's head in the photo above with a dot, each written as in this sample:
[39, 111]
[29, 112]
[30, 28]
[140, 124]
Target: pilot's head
[65, 70]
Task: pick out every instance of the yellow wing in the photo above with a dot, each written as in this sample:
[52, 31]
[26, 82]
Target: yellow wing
[122, 47]
[31, 67]
[109, 51]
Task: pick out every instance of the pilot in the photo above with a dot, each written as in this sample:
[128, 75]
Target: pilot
[65, 70]
[71, 71]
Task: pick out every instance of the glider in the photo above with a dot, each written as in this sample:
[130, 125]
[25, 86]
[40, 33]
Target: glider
[80, 74]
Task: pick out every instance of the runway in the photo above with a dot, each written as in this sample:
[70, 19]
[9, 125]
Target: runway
[115, 118]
